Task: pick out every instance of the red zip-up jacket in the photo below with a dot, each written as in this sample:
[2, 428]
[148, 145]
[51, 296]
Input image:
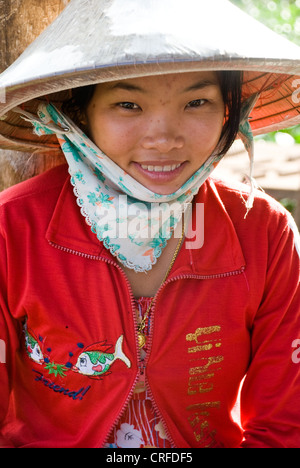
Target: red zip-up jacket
[70, 360]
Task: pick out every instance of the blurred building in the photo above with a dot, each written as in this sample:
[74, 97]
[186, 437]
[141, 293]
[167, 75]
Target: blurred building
[276, 170]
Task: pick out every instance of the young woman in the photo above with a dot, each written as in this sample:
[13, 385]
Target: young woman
[137, 292]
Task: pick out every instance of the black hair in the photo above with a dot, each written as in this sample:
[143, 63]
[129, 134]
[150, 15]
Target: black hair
[231, 83]
[231, 88]
[77, 105]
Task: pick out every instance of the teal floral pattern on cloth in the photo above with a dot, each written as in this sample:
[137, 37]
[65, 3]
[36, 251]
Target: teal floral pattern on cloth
[131, 221]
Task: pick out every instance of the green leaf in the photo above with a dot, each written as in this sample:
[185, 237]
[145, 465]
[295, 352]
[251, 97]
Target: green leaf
[56, 369]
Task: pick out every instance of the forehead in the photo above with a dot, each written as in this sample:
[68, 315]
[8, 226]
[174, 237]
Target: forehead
[177, 82]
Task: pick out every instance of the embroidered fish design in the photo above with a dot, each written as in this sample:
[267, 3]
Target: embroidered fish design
[96, 360]
[32, 347]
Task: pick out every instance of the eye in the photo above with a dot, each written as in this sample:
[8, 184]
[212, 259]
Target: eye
[83, 362]
[128, 105]
[197, 103]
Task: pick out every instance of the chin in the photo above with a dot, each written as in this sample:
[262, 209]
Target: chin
[163, 190]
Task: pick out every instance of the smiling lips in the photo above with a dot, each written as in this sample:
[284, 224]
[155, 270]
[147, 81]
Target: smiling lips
[160, 168]
[160, 172]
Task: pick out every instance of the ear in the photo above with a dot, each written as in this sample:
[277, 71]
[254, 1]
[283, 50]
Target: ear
[83, 119]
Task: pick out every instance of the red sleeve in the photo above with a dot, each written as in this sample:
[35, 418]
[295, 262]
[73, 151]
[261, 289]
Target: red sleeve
[9, 342]
[270, 397]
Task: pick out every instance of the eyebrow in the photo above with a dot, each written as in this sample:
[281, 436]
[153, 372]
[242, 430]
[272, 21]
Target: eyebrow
[127, 87]
[195, 87]
[200, 85]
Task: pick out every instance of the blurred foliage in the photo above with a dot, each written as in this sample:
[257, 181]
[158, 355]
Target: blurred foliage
[289, 204]
[283, 16]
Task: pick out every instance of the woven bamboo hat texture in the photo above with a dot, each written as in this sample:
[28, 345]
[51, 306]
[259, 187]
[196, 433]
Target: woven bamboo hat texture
[96, 41]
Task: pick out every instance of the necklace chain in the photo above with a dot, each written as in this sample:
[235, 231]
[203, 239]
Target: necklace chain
[142, 324]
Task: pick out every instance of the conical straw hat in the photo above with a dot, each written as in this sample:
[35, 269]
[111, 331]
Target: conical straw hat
[95, 41]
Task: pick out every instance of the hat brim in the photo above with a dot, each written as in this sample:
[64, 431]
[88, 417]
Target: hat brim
[149, 42]
[277, 108]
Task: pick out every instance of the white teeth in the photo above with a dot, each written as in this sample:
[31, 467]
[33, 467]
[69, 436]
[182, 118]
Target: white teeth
[160, 168]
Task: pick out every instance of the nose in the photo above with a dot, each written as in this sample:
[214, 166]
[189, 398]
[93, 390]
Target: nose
[162, 137]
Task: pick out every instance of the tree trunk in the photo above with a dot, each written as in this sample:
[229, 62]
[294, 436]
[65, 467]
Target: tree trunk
[21, 21]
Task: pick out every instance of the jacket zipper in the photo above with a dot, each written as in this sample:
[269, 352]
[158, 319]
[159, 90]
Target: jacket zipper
[142, 365]
[143, 370]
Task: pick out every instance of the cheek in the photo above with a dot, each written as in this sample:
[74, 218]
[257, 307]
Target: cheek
[111, 137]
[206, 135]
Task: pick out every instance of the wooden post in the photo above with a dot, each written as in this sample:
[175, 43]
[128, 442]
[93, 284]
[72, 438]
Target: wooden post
[21, 21]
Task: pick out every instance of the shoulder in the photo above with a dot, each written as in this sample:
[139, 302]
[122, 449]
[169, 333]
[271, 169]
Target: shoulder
[266, 222]
[41, 185]
[234, 195]
[30, 205]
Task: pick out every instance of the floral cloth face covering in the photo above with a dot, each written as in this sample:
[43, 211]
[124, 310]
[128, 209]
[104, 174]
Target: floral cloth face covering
[133, 222]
